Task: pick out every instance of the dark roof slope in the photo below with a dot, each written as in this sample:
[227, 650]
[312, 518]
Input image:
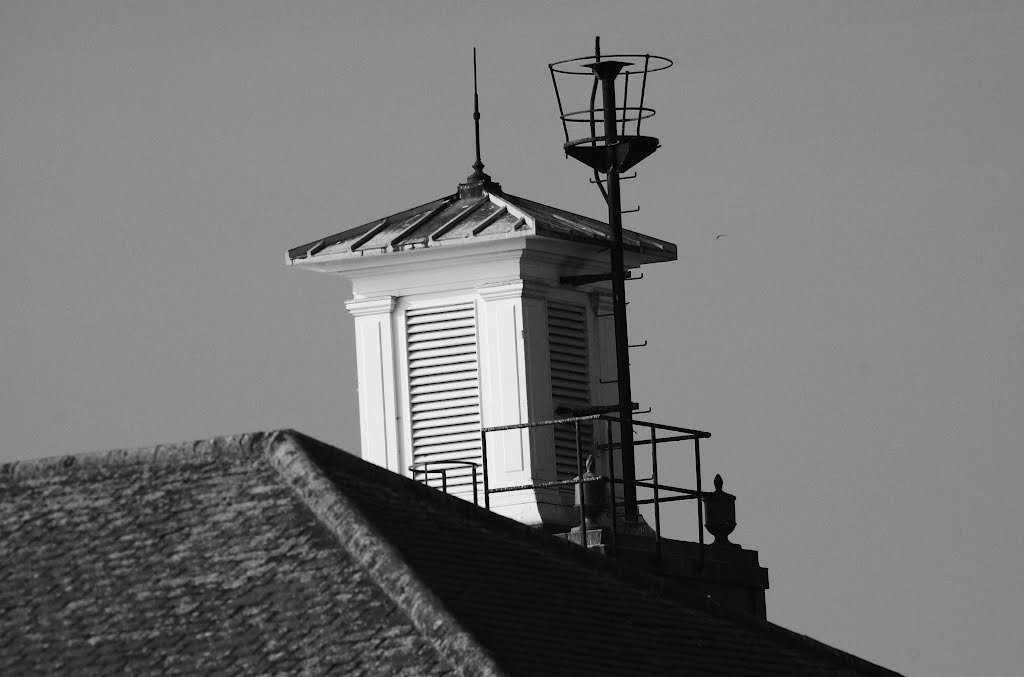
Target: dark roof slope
[211, 560]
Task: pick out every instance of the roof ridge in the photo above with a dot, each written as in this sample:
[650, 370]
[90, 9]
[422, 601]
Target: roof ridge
[518, 198]
[597, 224]
[243, 446]
[292, 455]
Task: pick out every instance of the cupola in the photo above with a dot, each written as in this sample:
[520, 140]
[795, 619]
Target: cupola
[470, 311]
[463, 321]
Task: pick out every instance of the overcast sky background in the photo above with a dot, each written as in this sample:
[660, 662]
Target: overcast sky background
[855, 344]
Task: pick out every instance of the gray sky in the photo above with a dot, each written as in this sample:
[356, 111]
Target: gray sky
[855, 345]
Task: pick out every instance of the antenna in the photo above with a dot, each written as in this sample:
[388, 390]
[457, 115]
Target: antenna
[478, 166]
[611, 153]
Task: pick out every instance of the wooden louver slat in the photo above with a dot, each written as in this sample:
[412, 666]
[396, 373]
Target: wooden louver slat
[570, 381]
[444, 389]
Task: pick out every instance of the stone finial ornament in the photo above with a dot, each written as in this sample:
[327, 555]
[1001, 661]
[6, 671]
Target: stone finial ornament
[720, 514]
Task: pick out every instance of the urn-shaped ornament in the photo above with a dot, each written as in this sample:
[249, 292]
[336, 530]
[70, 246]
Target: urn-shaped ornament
[720, 514]
[593, 491]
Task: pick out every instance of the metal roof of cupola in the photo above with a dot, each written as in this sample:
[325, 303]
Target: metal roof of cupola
[478, 210]
[481, 309]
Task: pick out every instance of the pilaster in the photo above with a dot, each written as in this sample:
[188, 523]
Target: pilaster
[505, 396]
[375, 359]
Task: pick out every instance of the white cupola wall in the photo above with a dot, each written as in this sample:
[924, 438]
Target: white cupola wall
[462, 321]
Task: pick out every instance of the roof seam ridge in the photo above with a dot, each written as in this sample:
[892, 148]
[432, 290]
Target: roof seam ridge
[419, 221]
[368, 235]
[455, 220]
[384, 564]
[486, 223]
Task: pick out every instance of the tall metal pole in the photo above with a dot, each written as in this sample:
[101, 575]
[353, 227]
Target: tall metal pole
[607, 72]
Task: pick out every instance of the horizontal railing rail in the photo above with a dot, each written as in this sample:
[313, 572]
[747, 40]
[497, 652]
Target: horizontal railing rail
[676, 493]
[658, 489]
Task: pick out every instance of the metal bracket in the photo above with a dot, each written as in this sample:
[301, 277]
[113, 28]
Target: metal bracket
[638, 345]
[577, 280]
[590, 411]
[609, 314]
[597, 177]
[621, 178]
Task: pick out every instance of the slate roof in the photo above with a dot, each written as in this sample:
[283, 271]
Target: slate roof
[474, 215]
[190, 559]
[277, 554]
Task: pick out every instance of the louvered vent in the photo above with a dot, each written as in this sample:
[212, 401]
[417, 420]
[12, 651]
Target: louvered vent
[570, 381]
[444, 389]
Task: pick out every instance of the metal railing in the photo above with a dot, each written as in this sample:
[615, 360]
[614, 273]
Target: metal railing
[657, 489]
[676, 434]
[424, 468]
[682, 435]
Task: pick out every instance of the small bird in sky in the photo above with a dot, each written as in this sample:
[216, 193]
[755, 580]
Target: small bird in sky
[722, 235]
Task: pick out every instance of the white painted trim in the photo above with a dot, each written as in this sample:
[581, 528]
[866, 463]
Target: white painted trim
[503, 382]
[375, 373]
[375, 306]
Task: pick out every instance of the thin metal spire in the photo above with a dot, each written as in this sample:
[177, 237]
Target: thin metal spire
[478, 167]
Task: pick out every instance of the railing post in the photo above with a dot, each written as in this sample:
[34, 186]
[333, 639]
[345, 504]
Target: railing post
[582, 493]
[611, 474]
[483, 459]
[700, 499]
[657, 505]
[695, 435]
